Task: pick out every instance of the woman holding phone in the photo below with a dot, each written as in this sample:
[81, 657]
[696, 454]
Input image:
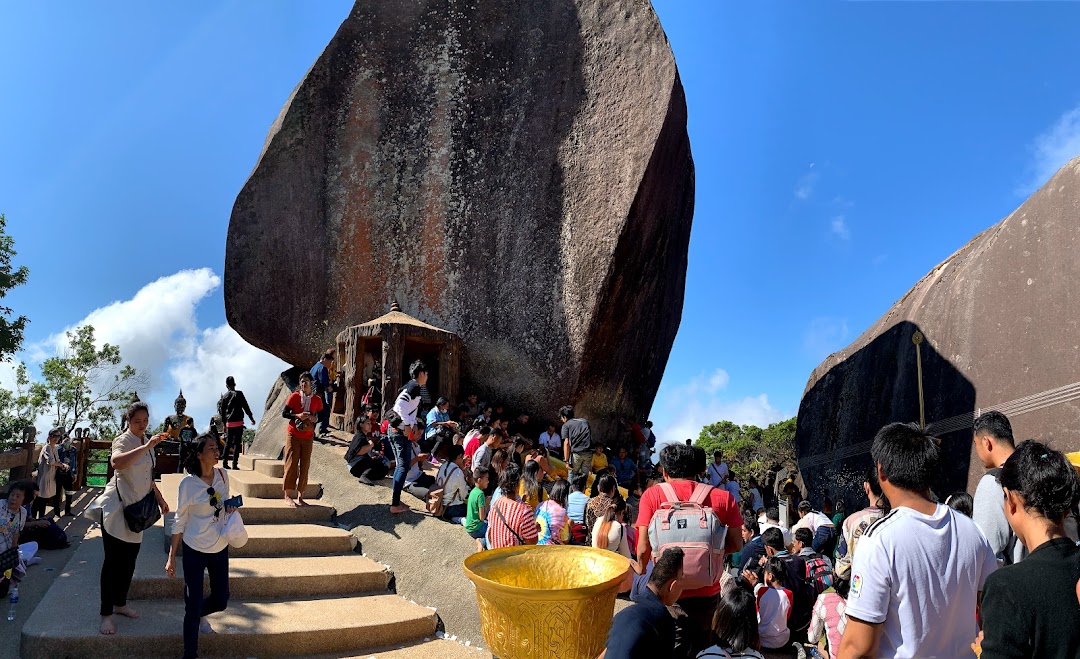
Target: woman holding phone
[301, 409]
[200, 522]
[133, 479]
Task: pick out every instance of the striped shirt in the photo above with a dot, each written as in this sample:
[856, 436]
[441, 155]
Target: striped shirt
[509, 517]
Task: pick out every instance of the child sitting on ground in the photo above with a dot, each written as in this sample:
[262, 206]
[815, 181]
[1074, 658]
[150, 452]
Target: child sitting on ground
[774, 606]
[476, 509]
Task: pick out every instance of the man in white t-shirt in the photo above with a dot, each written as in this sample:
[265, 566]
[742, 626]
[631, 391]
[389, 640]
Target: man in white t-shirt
[550, 439]
[919, 571]
[718, 470]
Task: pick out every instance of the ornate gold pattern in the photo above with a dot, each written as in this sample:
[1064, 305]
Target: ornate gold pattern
[546, 601]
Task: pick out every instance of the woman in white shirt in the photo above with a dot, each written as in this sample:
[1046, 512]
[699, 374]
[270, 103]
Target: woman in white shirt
[48, 463]
[200, 520]
[451, 478]
[133, 479]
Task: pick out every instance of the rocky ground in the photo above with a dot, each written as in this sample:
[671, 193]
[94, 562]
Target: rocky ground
[425, 553]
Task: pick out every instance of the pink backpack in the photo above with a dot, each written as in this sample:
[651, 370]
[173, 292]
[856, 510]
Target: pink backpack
[693, 526]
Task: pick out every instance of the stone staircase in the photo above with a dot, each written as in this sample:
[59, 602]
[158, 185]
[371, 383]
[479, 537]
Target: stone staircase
[299, 587]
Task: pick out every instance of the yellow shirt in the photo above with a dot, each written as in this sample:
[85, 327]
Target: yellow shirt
[533, 501]
[599, 463]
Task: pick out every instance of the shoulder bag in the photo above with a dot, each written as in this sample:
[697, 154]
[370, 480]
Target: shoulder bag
[434, 503]
[142, 514]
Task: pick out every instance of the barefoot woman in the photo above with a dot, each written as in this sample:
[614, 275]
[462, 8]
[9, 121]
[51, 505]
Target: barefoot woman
[133, 462]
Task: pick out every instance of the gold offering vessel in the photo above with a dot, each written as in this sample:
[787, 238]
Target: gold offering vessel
[550, 601]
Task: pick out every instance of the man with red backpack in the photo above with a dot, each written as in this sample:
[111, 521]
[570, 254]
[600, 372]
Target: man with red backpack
[701, 520]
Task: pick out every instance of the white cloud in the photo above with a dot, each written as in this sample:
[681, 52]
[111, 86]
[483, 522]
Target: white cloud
[804, 187]
[825, 335]
[220, 352]
[682, 410]
[158, 333]
[1053, 149]
[839, 228]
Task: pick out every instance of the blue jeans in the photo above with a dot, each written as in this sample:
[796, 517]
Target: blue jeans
[403, 457]
[195, 605]
[456, 513]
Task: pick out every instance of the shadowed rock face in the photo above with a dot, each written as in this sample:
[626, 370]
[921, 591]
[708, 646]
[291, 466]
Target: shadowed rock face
[1002, 321]
[517, 173]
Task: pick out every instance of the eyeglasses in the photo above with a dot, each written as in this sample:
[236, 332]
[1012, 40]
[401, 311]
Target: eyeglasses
[215, 501]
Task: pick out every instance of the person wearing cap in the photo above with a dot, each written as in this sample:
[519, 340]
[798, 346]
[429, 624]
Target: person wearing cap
[439, 427]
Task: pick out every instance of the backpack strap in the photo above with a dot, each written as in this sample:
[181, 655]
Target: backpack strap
[701, 494]
[669, 493]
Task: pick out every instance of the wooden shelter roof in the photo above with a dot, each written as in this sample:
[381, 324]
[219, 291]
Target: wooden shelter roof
[398, 317]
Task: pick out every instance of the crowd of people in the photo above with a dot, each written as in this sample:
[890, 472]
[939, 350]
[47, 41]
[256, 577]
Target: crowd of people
[994, 575]
[902, 576]
[503, 487]
[716, 569]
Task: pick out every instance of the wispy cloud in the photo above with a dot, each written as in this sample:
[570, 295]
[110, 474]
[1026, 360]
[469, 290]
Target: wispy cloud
[682, 410]
[804, 187]
[839, 228]
[1052, 149]
[825, 335]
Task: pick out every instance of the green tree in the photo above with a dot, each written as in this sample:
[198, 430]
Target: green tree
[20, 408]
[11, 329]
[750, 450]
[87, 383]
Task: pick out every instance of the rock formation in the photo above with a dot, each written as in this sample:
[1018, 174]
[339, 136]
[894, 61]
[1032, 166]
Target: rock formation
[1001, 322]
[516, 173]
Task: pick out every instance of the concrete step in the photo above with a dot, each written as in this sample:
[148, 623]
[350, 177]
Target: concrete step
[282, 577]
[254, 485]
[256, 510]
[263, 465]
[250, 628]
[295, 540]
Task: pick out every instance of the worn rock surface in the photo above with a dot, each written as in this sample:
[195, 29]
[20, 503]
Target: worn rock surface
[1002, 321]
[517, 173]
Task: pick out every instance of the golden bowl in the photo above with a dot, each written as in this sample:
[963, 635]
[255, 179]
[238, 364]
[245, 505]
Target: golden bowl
[546, 601]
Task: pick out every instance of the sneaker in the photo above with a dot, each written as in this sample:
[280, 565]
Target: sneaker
[34, 561]
[800, 651]
[366, 481]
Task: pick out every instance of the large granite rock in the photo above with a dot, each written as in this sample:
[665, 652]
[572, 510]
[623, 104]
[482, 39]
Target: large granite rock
[517, 173]
[1001, 322]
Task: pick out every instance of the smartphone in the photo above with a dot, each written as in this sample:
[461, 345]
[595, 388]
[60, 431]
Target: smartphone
[235, 502]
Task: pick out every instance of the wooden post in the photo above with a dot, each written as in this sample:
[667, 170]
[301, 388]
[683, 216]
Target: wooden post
[392, 352]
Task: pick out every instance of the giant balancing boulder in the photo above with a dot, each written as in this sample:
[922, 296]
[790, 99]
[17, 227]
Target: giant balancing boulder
[518, 173]
[1001, 319]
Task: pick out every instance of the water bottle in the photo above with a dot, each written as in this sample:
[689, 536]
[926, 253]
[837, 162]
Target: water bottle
[14, 599]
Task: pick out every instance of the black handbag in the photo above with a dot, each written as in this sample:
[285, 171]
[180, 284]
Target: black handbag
[142, 514]
[9, 559]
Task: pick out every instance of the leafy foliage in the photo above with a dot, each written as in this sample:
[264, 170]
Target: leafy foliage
[11, 329]
[87, 383]
[750, 450]
[20, 408]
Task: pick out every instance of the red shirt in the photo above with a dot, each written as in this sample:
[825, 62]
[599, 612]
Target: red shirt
[296, 404]
[721, 502]
[472, 445]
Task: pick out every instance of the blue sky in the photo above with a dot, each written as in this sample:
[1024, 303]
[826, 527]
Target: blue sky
[842, 150]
